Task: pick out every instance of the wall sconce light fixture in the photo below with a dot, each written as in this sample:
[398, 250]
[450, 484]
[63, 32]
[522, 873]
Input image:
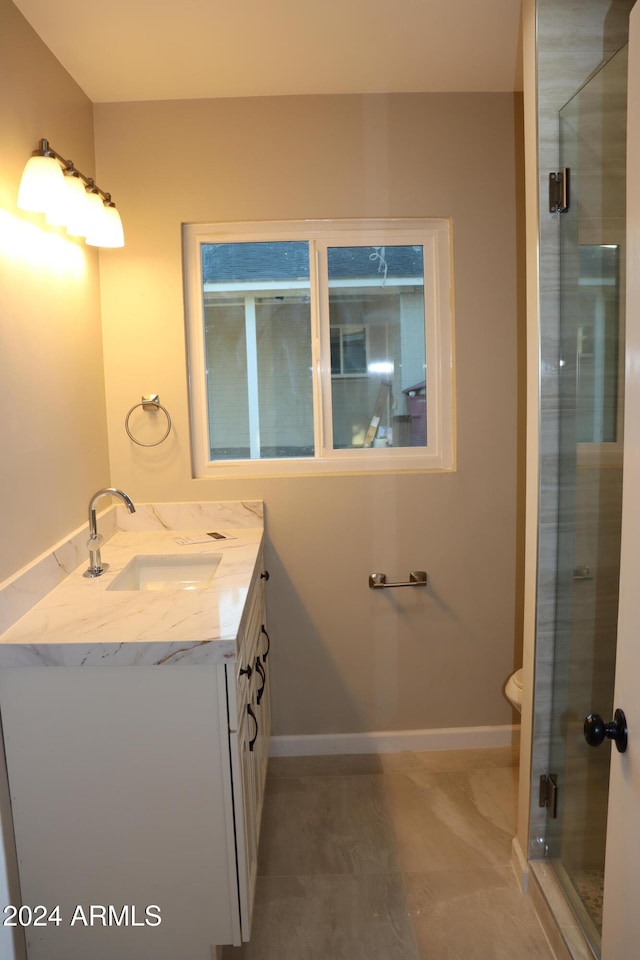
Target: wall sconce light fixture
[53, 186]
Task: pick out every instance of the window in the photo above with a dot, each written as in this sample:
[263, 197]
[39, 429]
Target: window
[319, 346]
[348, 351]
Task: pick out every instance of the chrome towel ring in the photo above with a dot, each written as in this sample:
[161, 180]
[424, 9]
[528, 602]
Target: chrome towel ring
[150, 402]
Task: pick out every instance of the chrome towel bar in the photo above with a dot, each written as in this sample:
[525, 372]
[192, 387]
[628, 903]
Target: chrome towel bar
[417, 578]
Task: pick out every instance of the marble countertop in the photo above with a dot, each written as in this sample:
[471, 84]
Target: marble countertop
[82, 623]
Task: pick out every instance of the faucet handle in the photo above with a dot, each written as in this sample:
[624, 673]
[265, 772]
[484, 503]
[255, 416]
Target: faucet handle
[96, 566]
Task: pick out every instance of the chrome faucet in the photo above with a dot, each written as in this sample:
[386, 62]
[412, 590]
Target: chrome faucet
[96, 567]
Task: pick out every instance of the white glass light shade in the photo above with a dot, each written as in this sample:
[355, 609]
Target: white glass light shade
[95, 219]
[42, 180]
[75, 199]
[81, 205]
[114, 235]
[57, 213]
[106, 230]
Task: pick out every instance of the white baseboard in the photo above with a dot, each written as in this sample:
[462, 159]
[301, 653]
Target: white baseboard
[394, 741]
[519, 864]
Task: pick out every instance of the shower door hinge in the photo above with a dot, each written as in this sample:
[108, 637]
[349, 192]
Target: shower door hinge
[548, 796]
[559, 191]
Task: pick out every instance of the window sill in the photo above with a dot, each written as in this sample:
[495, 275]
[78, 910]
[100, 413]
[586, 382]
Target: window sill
[391, 462]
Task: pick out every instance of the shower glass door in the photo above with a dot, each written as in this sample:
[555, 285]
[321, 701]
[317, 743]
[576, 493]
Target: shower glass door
[593, 144]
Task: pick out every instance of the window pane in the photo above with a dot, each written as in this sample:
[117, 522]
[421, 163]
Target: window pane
[284, 376]
[378, 362]
[355, 350]
[227, 397]
[258, 350]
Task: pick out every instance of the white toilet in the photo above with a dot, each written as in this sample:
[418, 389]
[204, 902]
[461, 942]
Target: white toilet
[513, 690]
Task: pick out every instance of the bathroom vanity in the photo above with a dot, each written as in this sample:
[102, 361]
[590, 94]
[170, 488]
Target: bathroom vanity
[136, 725]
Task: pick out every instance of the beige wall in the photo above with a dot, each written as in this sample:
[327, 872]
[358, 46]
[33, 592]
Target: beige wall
[52, 428]
[53, 442]
[346, 659]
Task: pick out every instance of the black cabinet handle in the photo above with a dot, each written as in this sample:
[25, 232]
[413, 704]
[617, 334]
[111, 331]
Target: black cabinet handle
[266, 653]
[252, 743]
[265, 575]
[260, 670]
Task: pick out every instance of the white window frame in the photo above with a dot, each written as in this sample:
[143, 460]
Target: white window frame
[434, 235]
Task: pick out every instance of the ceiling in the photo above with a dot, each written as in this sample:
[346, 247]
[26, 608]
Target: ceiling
[183, 49]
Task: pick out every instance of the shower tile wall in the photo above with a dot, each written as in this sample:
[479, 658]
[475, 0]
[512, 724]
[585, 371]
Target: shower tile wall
[573, 39]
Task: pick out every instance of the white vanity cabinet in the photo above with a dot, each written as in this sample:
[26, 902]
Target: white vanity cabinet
[249, 729]
[137, 794]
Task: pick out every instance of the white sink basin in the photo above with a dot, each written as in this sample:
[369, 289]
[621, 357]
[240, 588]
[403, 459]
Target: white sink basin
[168, 572]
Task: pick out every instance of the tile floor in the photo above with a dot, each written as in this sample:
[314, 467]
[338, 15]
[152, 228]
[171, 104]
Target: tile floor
[396, 857]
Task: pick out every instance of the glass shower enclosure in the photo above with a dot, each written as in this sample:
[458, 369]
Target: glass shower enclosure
[593, 146]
